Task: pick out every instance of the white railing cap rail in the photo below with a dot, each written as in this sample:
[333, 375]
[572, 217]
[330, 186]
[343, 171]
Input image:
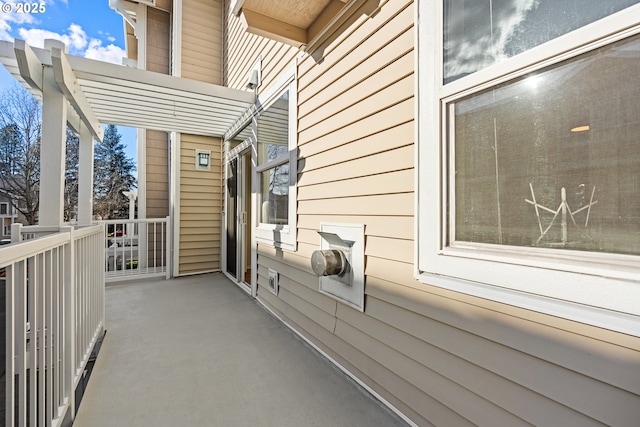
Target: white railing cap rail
[125, 220]
[13, 253]
[39, 229]
[82, 231]
[16, 252]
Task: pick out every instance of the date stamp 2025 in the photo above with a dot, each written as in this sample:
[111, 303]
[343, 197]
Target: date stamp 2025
[25, 7]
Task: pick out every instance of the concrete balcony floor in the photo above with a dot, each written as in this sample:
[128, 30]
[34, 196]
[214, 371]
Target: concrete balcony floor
[198, 351]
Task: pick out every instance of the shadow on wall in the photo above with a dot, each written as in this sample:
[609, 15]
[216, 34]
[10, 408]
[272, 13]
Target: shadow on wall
[370, 9]
[522, 362]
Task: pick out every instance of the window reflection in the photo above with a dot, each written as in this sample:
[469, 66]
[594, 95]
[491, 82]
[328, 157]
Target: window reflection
[273, 153]
[273, 130]
[478, 34]
[244, 134]
[569, 129]
[275, 195]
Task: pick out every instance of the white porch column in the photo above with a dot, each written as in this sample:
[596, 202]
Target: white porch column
[132, 195]
[52, 147]
[85, 177]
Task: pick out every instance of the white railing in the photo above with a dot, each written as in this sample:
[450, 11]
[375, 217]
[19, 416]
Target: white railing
[54, 286]
[137, 248]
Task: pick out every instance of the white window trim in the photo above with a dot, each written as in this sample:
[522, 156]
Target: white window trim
[599, 293]
[279, 236]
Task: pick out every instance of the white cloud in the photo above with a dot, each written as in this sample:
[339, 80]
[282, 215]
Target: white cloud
[109, 53]
[78, 43]
[8, 19]
[75, 38]
[486, 42]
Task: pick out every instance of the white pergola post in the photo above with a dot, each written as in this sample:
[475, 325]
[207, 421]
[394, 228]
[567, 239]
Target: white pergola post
[85, 176]
[132, 195]
[52, 147]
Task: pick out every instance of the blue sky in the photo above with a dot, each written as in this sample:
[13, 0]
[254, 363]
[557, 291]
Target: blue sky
[89, 28]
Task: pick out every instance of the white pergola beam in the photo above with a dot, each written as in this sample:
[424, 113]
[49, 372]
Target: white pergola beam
[127, 96]
[28, 63]
[117, 75]
[74, 121]
[68, 84]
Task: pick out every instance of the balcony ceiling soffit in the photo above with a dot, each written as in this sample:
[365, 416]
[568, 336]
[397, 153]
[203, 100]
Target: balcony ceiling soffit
[126, 96]
[295, 22]
[299, 13]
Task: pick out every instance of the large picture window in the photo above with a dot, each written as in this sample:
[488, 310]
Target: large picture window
[529, 125]
[551, 159]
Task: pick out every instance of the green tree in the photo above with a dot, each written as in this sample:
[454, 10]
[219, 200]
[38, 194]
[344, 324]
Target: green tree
[113, 174]
[71, 176]
[20, 132]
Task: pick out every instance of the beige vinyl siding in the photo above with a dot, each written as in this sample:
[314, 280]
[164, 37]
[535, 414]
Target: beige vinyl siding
[157, 167]
[200, 206]
[157, 174]
[164, 4]
[242, 50]
[158, 40]
[200, 191]
[440, 357]
[202, 40]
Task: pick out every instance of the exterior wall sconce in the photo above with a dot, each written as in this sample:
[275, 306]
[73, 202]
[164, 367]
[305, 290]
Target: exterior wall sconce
[255, 76]
[254, 80]
[203, 160]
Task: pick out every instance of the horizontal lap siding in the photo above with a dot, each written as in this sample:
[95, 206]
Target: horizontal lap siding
[157, 143]
[200, 191]
[440, 357]
[356, 165]
[547, 371]
[202, 40]
[158, 40]
[200, 206]
[157, 178]
[243, 50]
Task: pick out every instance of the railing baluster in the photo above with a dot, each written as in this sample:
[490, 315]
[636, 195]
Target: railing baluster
[68, 281]
[32, 316]
[49, 333]
[40, 342]
[155, 251]
[167, 245]
[57, 339]
[10, 346]
[21, 339]
[55, 284]
[134, 255]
